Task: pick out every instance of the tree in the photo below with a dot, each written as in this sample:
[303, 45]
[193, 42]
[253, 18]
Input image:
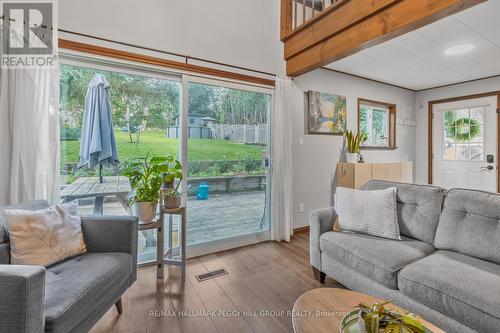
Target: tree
[139, 101]
[131, 96]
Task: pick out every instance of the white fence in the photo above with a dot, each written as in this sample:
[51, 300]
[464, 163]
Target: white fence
[254, 134]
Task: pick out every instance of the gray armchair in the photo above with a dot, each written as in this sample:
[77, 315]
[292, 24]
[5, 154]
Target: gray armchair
[70, 296]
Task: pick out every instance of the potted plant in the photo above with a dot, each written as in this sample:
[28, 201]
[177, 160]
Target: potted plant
[378, 318]
[353, 143]
[173, 198]
[145, 176]
[173, 173]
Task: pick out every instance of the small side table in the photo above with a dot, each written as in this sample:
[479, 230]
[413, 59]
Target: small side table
[169, 256]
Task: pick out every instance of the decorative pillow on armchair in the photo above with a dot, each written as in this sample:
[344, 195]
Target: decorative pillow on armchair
[369, 212]
[46, 236]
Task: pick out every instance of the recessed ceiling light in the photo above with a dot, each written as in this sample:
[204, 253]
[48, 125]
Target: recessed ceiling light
[459, 49]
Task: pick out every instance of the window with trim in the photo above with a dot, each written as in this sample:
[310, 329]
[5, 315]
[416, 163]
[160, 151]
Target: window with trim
[464, 134]
[377, 121]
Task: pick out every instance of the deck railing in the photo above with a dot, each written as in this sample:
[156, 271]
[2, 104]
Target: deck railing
[297, 14]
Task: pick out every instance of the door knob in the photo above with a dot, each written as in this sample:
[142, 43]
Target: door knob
[489, 168]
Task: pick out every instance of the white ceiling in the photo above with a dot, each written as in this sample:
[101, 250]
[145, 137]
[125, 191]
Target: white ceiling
[417, 61]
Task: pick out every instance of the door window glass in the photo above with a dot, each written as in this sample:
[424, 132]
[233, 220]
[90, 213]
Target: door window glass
[463, 134]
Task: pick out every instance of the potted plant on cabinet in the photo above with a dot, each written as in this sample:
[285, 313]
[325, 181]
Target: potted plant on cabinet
[353, 143]
[145, 176]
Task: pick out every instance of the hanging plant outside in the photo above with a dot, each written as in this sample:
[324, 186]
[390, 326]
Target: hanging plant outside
[464, 129]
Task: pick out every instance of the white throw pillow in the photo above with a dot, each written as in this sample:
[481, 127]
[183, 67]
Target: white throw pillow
[46, 236]
[368, 212]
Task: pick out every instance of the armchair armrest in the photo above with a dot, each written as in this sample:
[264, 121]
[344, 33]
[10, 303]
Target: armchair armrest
[112, 234]
[22, 295]
[320, 221]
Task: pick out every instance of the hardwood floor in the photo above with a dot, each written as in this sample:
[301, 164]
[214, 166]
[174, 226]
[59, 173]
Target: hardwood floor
[263, 283]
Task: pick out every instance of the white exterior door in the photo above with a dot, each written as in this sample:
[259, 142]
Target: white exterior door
[465, 144]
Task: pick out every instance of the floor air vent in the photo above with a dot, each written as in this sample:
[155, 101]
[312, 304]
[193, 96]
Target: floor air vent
[211, 275]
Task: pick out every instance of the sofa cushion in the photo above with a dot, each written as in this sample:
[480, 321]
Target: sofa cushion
[377, 258]
[368, 212]
[419, 208]
[29, 205]
[464, 288]
[4, 235]
[470, 224]
[45, 236]
[76, 287]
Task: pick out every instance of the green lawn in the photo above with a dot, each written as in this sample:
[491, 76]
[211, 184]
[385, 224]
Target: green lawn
[206, 150]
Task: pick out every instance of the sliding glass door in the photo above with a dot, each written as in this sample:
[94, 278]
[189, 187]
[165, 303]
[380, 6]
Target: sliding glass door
[228, 154]
[220, 129]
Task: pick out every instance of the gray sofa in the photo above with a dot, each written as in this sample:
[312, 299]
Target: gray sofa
[70, 296]
[446, 268]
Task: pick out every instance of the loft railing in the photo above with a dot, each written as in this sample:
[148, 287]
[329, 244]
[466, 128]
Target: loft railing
[297, 14]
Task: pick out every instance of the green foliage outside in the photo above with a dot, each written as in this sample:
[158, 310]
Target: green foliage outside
[207, 157]
[379, 124]
[136, 100]
[155, 141]
[152, 104]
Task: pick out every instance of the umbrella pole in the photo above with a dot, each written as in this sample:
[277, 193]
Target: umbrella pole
[100, 173]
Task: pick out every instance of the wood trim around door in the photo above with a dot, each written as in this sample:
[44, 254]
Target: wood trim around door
[430, 142]
[146, 59]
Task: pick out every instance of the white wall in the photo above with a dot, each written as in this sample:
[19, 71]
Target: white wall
[242, 33]
[314, 164]
[471, 88]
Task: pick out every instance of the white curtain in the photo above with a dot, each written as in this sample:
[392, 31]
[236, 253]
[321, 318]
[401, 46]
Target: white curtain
[29, 134]
[287, 100]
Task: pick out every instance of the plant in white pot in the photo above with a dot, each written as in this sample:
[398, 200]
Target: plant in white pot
[353, 143]
[145, 176]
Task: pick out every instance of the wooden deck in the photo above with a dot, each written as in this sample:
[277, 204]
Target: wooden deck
[224, 215]
[221, 216]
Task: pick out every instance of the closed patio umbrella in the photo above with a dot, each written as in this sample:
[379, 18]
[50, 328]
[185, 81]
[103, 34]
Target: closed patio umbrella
[98, 144]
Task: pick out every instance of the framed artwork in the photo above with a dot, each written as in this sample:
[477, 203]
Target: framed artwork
[326, 113]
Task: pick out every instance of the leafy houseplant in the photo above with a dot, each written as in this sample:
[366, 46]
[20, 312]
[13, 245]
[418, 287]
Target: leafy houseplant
[173, 172]
[376, 318]
[145, 176]
[171, 195]
[353, 144]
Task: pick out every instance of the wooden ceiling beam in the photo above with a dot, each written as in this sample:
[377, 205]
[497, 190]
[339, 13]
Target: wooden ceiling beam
[342, 33]
[347, 15]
